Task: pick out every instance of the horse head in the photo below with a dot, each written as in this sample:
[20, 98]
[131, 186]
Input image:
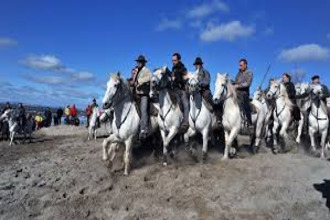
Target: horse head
[221, 88]
[258, 95]
[274, 89]
[159, 80]
[193, 84]
[302, 88]
[6, 115]
[114, 85]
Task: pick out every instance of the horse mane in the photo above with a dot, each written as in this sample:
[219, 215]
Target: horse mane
[126, 92]
[232, 89]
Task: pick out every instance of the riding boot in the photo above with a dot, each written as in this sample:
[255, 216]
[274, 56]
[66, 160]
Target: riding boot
[185, 103]
[144, 117]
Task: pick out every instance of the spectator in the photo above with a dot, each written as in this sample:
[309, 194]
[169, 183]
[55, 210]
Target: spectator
[59, 115]
[38, 120]
[88, 114]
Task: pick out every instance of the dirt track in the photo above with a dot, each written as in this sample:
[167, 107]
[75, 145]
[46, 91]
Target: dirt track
[61, 176]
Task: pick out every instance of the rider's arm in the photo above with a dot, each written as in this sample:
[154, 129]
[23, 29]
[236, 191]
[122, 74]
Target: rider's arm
[248, 81]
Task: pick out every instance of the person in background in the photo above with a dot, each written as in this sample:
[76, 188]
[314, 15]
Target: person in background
[21, 116]
[95, 105]
[55, 119]
[48, 117]
[38, 120]
[88, 114]
[67, 112]
[59, 115]
[7, 106]
[73, 112]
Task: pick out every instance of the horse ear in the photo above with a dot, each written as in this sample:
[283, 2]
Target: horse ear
[118, 74]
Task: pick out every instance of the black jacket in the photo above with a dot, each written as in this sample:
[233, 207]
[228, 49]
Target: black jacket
[290, 89]
[178, 71]
[21, 112]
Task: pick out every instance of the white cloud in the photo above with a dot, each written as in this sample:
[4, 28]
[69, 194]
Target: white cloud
[44, 62]
[307, 52]
[207, 9]
[83, 76]
[268, 31]
[166, 23]
[7, 42]
[227, 32]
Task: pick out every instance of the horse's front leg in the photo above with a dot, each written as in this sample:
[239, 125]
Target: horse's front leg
[190, 133]
[275, 129]
[95, 136]
[173, 131]
[230, 137]
[300, 128]
[12, 135]
[312, 137]
[109, 140]
[128, 155]
[323, 140]
[205, 134]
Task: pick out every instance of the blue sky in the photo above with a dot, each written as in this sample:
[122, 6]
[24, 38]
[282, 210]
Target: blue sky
[61, 52]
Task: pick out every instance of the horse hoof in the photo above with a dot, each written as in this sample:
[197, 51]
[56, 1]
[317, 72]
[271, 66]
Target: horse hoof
[104, 158]
[224, 158]
[164, 164]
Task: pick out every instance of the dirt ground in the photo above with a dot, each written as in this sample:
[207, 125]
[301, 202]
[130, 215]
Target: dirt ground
[61, 176]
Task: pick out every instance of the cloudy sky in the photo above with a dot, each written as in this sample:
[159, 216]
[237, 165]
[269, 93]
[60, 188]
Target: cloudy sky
[61, 52]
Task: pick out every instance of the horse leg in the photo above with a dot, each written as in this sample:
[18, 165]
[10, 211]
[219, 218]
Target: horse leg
[187, 137]
[275, 128]
[229, 141]
[205, 133]
[283, 133]
[12, 134]
[323, 140]
[105, 144]
[127, 155]
[312, 137]
[170, 136]
[163, 134]
[95, 134]
[300, 128]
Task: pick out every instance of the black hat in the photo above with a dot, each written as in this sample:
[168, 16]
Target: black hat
[141, 59]
[315, 77]
[198, 61]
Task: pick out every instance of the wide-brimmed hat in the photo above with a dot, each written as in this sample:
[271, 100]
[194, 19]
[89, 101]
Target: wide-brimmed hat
[315, 77]
[141, 59]
[198, 61]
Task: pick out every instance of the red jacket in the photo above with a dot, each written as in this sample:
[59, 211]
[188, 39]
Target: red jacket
[89, 110]
[73, 111]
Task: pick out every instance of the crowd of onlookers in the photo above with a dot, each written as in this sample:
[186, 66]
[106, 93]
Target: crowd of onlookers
[46, 119]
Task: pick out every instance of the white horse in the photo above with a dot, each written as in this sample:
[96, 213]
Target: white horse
[261, 118]
[92, 128]
[303, 104]
[170, 115]
[126, 120]
[318, 119]
[14, 127]
[200, 117]
[107, 120]
[225, 91]
[282, 112]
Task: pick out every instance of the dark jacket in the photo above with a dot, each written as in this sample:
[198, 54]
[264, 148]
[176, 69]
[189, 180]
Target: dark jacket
[21, 112]
[290, 89]
[178, 71]
[59, 113]
[203, 76]
[243, 80]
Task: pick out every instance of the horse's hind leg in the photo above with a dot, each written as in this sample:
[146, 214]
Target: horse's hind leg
[12, 134]
[300, 128]
[312, 137]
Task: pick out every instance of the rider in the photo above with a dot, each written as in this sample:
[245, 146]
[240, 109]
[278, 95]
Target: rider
[141, 81]
[290, 89]
[7, 106]
[316, 81]
[203, 77]
[242, 84]
[21, 115]
[178, 83]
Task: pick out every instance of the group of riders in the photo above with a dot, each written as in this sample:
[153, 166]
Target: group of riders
[140, 86]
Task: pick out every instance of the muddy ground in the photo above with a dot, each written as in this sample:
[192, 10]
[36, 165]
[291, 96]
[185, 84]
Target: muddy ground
[61, 176]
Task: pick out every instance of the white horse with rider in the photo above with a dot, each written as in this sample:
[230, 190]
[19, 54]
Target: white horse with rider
[304, 103]
[93, 123]
[200, 117]
[261, 118]
[232, 120]
[15, 127]
[169, 116]
[282, 112]
[126, 120]
[318, 119]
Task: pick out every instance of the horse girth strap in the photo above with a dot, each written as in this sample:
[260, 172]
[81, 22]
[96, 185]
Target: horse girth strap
[168, 111]
[279, 113]
[195, 119]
